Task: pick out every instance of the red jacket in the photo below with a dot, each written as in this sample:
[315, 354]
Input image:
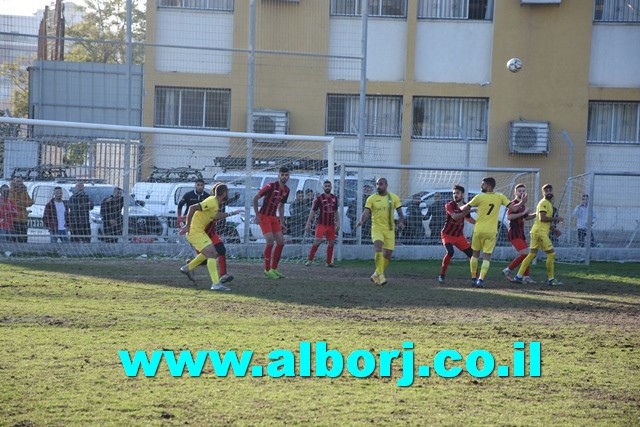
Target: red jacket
[50, 216]
[8, 212]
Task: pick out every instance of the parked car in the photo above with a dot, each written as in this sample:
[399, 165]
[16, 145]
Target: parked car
[297, 181]
[427, 198]
[162, 199]
[144, 225]
[350, 198]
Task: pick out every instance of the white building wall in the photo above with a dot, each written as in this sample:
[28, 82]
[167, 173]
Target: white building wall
[615, 56]
[194, 29]
[453, 52]
[386, 49]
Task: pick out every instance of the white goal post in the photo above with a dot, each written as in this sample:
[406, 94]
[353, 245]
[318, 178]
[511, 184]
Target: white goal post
[166, 160]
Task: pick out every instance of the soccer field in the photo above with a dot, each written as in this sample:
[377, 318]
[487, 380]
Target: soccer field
[64, 321]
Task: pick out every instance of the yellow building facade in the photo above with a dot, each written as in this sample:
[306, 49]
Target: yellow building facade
[436, 77]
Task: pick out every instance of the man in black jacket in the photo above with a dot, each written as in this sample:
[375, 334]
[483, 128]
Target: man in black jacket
[191, 198]
[80, 204]
[111, 213]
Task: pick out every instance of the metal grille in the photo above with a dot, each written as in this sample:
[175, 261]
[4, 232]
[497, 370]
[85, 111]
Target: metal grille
[614, 122]
[444, 118]
[617, 11]
[384, 115]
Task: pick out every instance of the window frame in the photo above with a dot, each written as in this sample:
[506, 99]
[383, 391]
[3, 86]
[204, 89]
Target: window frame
[228, 5]
[468, 6]
[438, 124]
[614, 11]
[376, 8]
[616, 123]
[350, 107]
[165, 116]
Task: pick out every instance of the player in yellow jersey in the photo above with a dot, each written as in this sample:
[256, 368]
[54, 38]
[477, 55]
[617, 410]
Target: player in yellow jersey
[540, 237]
[485, 230]
[199, 216]
[380, 206]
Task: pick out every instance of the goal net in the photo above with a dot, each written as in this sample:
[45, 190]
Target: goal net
[600, 222]
[154, 168]
[423, 191]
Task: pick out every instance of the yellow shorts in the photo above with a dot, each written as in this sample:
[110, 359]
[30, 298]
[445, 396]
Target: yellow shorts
[485, 242]
[199, 240]
[387, 237]
[541, 240]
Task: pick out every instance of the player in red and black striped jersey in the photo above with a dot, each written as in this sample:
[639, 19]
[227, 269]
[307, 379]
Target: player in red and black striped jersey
[452, 232]
[516, 217]
[325, 206]
[275, 196]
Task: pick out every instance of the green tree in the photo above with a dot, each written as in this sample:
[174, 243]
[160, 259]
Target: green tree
[76, 154]
[16, 72]
[103, 30]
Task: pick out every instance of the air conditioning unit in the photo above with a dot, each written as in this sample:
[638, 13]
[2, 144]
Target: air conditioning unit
[271, 121]
[529, 137]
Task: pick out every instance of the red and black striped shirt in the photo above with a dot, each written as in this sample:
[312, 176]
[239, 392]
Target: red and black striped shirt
[516, 226]
[273, 194]
[453, 227]
[328, 206]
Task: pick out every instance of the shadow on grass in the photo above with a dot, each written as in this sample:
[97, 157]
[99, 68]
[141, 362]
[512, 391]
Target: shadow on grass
[412, 284]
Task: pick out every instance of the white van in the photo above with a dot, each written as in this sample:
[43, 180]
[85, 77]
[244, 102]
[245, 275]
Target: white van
[143, 224]
[297, 181]
[162, 199]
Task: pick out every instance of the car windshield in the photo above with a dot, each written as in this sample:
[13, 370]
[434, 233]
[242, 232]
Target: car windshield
[98, 194]
[351, 187]
[231, 179]
[242, 194]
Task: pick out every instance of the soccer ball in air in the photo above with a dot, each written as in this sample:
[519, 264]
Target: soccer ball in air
[514, 65]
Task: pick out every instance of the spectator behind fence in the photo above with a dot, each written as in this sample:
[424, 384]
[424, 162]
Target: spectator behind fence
[56, 217]
[298, 215]
[438, 216]
[20, 198]
[8, 212]
[111, 213]
[79, 205]
[352, 213]
[197, 195]
[309, 198]
[580, 213]
[414, 230]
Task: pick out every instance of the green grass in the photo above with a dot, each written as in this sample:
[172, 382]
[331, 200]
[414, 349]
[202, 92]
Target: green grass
[62, 323]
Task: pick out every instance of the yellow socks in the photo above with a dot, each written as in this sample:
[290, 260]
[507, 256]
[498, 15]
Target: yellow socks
[484, 269]
[551, 265]
[212, 266]
[525, 263]
[196, 261]
[379, 260]
[473, 264]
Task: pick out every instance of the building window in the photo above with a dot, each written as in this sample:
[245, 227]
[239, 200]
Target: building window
[384, 115]
[616, 11]
[226, 5]
[614, 123]
[193, 108]
[456, 9]
[385, 8]
[450, 118]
